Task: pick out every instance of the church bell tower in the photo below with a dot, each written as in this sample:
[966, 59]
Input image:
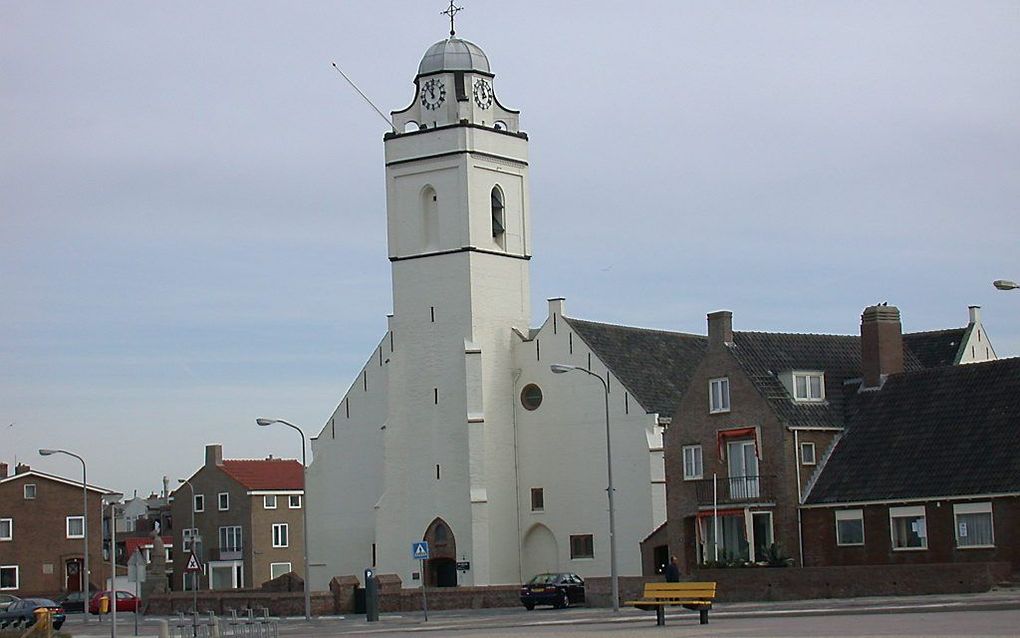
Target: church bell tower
[458, 227]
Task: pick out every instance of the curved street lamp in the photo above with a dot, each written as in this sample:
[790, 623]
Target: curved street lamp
[304, 506]
[86, 589]
[614, 577]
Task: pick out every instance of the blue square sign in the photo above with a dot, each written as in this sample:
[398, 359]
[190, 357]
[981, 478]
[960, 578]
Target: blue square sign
[420, 550]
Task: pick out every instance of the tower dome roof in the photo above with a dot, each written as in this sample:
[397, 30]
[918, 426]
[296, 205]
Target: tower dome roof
[453, 54]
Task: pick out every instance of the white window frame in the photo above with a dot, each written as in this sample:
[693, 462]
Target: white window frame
[281, 535]
[266, 501]
[290, 501]
[697, 459]
[10, 529]
[188, 536]
[724, 395]
[67, 526]
[849, 515]
[290, 568]
[910, 511]
[199, 498]
[808, 445]
[972, 508]
[807, 375]
[17, 577]
[34, 490]
[231, 533]
[223, 501]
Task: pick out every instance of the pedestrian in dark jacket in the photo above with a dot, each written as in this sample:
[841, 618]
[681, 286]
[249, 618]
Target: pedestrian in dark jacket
[672, 571]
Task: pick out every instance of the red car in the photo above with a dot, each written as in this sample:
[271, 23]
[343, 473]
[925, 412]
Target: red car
[126, 601]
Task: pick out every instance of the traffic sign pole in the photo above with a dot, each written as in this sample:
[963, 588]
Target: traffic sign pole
[420, 552]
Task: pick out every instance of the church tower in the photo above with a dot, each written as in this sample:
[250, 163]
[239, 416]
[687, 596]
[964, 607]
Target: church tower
[458, 234]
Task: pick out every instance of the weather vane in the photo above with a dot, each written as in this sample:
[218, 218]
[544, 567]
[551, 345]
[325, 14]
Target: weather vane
[452, 11]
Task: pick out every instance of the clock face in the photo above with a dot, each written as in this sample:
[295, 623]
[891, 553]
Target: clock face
[433, 93]
[483, 94]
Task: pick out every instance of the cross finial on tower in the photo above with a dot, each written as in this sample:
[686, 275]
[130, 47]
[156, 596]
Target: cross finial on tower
[452, 11]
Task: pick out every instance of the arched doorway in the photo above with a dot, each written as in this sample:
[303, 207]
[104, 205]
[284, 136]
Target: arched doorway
[539, 551]
[441, 567]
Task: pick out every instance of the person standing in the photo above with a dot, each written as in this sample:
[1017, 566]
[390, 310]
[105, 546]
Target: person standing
[672, 571]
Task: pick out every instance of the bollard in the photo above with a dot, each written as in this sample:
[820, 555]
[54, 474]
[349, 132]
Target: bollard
[164, 626]
[371, 597]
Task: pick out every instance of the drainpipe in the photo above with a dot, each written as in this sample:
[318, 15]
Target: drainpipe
[800, 496]
[517, 479]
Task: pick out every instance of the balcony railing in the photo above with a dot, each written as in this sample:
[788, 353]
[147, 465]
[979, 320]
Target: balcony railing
[228, 553]
[736, 489]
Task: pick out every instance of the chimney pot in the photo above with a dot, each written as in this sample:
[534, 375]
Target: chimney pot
[881, 344]
[214, 454]
[720, 329]
[975, 314]
[557, 306]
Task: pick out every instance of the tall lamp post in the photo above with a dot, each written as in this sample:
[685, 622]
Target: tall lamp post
[85, 524]
[304, 507]
[1005, 284]
[194, 536]
[111, 498]
[614, 577]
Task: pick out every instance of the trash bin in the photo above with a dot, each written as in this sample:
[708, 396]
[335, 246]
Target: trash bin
[104, 604]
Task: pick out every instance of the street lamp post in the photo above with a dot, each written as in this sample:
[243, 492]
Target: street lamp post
[304, 507]
[194, 575]
[112, 498]
[1005, 284]
[85, 524]
[614, 576]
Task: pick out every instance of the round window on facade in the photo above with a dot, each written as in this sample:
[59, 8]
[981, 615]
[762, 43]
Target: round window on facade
[531, 396]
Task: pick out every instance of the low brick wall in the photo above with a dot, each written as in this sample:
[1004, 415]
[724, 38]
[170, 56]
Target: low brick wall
[799, 583]
[221, 602]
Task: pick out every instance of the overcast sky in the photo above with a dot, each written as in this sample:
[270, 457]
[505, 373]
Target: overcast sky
[192, 205]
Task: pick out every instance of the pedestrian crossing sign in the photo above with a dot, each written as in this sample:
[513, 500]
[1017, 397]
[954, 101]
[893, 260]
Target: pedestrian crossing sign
[420, 550]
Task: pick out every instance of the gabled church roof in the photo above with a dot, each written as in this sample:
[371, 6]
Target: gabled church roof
[947, 431]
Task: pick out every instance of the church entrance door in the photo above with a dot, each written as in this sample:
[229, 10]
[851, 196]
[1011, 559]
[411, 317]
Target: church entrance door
[441, 568]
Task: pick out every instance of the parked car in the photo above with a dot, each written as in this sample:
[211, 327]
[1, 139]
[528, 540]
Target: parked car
[559, 590]
[21, 613]
[125, 601]
[71, 601]
[6, 600]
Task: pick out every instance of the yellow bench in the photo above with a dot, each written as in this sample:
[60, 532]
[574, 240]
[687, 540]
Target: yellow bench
[690, 595]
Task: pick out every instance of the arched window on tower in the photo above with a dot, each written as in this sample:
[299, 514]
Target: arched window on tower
[498, 218]
[430, 218]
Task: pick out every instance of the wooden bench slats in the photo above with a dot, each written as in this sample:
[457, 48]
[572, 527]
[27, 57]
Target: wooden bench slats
[691, 595]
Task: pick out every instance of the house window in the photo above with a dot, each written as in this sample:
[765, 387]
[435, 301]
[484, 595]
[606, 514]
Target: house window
[8, 576]
[29, 491]
[189, 536]
[537, 499]
[294, 502]
[582, 546]
[974, 525]
[908, 529]
[280, 535]
[498, 225]
[269, 501]
[279, 569]
[849, 527]
[76, 527]
[808, 386]
[807, 453]
[230, 539]
[224, 501]
[719, 395]
[531, 397]
[692, 462]
[199, 502]
[6, 529]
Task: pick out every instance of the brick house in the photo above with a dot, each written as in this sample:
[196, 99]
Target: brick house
[42, 533]
[758, 421]
[247, 520]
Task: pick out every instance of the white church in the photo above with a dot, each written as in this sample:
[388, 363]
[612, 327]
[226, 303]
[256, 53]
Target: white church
[456, 431]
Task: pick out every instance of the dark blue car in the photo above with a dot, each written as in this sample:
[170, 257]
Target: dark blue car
[21, 613]
[559, 590]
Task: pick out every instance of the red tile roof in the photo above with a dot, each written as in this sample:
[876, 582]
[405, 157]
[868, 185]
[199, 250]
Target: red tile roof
[266, 474]
[131, 543]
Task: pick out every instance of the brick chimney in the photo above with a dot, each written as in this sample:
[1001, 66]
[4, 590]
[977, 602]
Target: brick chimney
[3, 470]
[21, 468]
[881, 344]
[720, 329]
[214, 455]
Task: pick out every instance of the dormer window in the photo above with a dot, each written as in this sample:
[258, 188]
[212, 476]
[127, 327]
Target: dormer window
[809, 386]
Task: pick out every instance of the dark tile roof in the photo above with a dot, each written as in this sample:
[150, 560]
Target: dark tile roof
[943, 431]
[938, 347]
[654, 365]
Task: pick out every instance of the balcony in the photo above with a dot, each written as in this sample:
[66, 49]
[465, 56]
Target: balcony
[228, 553]
[737, 490]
